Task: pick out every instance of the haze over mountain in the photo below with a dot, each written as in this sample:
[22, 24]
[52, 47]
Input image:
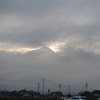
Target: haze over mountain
[57, 40]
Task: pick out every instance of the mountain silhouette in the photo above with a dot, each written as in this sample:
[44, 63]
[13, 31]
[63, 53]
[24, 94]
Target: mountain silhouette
[43, 50]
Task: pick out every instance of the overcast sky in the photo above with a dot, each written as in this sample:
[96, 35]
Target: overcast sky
[58, 40]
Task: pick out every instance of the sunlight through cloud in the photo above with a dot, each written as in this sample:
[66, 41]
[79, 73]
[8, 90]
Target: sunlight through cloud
[7, 47]
[56, 46]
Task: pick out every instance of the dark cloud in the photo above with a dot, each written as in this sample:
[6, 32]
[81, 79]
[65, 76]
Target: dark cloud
[60, 19]
[28, 8]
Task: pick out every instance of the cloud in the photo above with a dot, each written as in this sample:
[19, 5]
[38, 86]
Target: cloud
[60, 22]
[52, 39]
[77, 66]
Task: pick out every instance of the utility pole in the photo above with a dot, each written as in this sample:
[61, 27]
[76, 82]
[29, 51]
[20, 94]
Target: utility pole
[38, 87]
[86, 85]
[60, 87]
[43, 86]
[69, 89]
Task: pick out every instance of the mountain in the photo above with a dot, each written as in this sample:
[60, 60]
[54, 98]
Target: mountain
[46, 50]
[43, 50]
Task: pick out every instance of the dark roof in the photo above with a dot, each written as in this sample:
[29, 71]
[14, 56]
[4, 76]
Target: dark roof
[96, 91]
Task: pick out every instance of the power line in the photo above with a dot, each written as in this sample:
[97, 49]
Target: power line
[43, 86]
[69, 89]
[86, 85]
[60, 87]
[38, 87]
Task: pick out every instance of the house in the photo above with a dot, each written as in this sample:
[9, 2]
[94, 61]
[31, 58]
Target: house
[96, 93]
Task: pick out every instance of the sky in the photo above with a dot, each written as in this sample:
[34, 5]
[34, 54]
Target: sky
[58, 40]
